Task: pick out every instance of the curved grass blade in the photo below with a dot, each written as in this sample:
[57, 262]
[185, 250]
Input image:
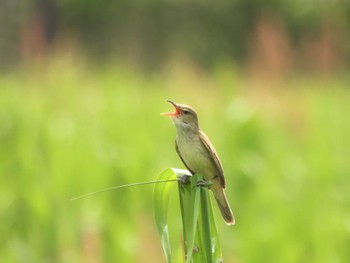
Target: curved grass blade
[189, 202]
[161, 200]
[120, 186]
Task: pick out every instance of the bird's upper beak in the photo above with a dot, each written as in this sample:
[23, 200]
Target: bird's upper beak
[173, 114]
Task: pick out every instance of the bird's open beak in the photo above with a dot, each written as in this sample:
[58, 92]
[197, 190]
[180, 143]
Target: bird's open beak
[173, 114]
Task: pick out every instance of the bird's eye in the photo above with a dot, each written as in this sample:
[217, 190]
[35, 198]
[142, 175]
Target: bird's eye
[186, 112]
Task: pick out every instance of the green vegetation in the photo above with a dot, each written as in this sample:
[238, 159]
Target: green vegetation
[200, 241]
[66, 130]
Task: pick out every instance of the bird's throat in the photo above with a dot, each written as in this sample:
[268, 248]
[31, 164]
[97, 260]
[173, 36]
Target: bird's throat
[185, 129]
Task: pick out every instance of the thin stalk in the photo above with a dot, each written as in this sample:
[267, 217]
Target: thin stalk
[122, 186]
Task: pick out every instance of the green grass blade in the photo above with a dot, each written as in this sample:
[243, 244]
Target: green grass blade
[208, 237]
[189, 201]
[201, 242]
[204, 226]
[161, 200]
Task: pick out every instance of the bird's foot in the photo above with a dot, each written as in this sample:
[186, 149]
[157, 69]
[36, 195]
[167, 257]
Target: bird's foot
[184, 179]
[204, 183]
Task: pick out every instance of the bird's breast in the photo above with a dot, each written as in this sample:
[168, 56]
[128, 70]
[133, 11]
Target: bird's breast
[195, 155]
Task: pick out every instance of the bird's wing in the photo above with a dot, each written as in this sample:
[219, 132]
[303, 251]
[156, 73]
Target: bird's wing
[214, 157]
[178, 152]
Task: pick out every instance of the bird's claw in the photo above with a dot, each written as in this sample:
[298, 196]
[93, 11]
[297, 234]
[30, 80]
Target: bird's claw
[204, 183]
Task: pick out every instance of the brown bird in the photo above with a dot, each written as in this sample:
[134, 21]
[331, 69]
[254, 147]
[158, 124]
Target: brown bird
[199, 156]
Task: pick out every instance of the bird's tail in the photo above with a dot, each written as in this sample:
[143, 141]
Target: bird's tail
[223, 204]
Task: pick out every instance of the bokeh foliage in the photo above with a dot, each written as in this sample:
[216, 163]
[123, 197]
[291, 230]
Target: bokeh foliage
[67, 129]
[150, 32]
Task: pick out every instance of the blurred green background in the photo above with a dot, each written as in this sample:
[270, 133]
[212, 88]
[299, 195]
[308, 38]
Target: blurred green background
[82, 84]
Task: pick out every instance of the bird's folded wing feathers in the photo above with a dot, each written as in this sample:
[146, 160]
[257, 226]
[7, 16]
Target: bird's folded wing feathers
[214, 157]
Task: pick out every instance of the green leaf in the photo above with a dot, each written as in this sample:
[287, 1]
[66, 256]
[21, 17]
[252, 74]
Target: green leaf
[207, 233]
[189, 201]
[161, 200]
[201, 242]
[200, 234]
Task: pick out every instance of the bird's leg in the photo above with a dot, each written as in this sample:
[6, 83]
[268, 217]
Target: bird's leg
[184, 179]
[204, 183]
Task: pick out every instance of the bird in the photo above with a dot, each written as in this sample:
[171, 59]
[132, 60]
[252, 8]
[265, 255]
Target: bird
[199, 155]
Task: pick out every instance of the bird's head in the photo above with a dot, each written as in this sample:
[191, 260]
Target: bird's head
[184, 117]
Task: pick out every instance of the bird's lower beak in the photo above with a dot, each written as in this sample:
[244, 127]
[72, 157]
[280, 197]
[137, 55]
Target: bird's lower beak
[172, 114]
